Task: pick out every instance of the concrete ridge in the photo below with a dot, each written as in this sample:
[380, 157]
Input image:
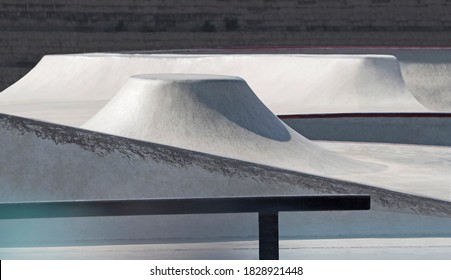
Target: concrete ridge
[104, 144]
[45, 161]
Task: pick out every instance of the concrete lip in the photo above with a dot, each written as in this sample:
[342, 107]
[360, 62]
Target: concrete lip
[184, 77]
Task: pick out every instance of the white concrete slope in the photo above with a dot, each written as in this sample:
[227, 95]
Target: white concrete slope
[430, 83]
[218, 115]
[45, 162]
[70, 89]
[426, 71]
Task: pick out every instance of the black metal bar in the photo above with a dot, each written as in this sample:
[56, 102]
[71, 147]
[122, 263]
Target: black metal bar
[267, 207]
[218, 205]
[268, 235]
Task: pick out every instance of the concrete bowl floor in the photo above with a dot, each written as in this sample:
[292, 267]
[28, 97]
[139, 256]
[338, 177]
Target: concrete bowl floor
[325, 249]
[416, 169]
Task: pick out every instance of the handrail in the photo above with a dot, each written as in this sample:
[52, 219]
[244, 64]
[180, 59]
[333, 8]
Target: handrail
[267, 208]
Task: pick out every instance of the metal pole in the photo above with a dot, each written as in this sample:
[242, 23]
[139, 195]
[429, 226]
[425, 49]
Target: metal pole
[268, 231]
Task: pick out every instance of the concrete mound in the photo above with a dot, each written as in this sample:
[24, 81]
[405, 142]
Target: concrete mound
[218, 115]
[70, 89]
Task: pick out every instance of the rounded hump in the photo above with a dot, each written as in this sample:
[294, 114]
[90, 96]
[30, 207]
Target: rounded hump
[153, 106]
[217, 115]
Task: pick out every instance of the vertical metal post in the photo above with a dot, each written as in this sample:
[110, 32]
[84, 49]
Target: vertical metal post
[268, 231]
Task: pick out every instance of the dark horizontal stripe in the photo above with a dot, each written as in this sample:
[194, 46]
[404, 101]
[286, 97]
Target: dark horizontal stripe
[274, 204]
[293, 49]
[366, 115]
[281, 47]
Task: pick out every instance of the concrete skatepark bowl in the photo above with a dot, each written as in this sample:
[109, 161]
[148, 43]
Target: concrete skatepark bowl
[111, 126]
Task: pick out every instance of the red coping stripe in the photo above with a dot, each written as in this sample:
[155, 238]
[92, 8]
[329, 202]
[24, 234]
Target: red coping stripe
[366, 115]
[339, 47]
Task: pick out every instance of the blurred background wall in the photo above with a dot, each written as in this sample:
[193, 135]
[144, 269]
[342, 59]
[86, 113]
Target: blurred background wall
[30, 29]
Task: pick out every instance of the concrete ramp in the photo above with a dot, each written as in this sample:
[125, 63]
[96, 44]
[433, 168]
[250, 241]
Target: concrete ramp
[430, 83]
[79, 85]
[218, 115]
[47, 162]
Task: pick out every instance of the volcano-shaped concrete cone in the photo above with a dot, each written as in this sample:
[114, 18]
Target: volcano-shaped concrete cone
[218, 115]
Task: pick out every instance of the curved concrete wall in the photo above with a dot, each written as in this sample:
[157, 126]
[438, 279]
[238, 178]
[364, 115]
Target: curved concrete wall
[426, 71]
[420, 129]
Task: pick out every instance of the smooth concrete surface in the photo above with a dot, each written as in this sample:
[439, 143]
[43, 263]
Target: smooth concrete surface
[328, 249]
[430, 82]
[425, 70]
[417, 169]
[287, 84]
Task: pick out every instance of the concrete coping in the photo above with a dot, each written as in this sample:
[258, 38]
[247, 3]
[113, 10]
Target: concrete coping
[185, 77]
